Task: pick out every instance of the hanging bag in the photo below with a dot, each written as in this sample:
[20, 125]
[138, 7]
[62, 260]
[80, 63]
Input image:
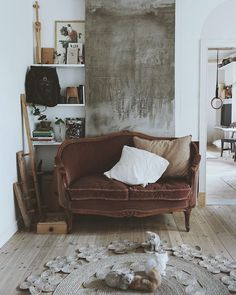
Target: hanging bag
[42, 86]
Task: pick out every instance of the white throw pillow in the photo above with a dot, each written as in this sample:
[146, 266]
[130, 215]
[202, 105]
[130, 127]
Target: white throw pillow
[138, 166]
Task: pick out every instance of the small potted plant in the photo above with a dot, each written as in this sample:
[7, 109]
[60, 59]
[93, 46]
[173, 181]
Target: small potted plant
[42, 118]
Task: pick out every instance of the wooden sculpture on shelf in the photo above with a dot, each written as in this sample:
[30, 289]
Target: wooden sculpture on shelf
[37, 27]
[72, 93]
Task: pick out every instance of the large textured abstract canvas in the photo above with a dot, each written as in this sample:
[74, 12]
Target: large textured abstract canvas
[129, 57]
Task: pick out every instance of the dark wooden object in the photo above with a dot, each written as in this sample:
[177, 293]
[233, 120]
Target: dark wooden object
[31, 153]
[22, 205]
[72, 93]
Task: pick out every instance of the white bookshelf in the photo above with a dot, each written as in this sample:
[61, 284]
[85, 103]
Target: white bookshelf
[60, 65]
[46, 143]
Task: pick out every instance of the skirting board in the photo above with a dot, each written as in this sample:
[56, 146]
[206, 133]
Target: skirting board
[202, 200]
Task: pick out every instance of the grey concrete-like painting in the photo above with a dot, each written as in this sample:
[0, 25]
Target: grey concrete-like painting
[130, 66]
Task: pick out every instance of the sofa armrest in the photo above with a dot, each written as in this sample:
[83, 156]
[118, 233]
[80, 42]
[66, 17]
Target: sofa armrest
[62, 184]
[194, 180]
[195, 163]
[61, 174]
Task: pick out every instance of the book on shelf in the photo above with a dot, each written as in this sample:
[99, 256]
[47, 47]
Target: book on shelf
[42, 138]
[42, 133]
[81, 94]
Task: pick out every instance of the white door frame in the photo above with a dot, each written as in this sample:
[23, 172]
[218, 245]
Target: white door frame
[205, 44]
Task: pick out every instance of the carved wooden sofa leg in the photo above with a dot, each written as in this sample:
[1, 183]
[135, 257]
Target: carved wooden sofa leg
[187, 213]
[69, 219]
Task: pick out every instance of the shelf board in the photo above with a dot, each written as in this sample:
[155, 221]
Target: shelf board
[46, 143]
[70, 105]
[60, 65]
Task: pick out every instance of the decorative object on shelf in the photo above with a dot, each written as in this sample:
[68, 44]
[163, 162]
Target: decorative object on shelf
[39, 113]
[72, 95]
[72, 53]
[57, 57]
[74, 128]
[66, 33]
[37, 27]
[228, 91]
[44, 130]
[59, 129]
[75, 95]
[216, 101]
[42, 86]
[47, 55]
[221, 90]
[45, 125]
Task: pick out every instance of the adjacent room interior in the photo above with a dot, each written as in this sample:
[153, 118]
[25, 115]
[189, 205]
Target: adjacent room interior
[220, 155]
[118, 166]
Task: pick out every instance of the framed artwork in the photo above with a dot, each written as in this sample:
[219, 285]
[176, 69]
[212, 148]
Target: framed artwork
[75, 128]
[69, 36]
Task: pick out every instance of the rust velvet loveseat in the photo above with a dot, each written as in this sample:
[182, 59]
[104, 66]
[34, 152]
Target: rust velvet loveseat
[83, 188]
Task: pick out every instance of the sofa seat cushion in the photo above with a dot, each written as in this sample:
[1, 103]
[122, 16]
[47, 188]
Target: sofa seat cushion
[98, 187]
[171, 189]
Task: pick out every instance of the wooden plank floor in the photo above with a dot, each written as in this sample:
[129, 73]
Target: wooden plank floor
[220, 177]
[213, 228]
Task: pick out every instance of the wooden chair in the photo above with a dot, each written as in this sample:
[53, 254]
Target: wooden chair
[231, 141]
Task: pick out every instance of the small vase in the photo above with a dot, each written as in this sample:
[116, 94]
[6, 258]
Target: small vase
[59, 130]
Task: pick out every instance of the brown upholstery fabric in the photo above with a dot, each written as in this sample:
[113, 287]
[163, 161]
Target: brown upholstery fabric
[124, 208]
[81, 158]
[171, 189]
[97, 187]
[176, 151]
[83, 188]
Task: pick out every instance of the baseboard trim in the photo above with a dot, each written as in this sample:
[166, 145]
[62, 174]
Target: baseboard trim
[202, 200]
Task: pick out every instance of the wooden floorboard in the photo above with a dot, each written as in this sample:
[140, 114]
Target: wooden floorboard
[213, 228]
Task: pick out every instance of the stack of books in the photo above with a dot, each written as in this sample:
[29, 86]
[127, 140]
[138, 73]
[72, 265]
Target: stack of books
[43, 135]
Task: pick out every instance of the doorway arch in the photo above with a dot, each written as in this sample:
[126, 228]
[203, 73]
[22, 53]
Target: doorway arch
[215, 34]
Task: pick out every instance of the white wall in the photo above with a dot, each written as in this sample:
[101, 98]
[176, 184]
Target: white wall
[221, 22]
[196, 22]
[53, 10]
[191, 16]
[16, 17]
[213, 116]
[16, 55]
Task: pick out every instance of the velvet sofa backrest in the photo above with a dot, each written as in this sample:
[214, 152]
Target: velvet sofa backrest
[91, 155]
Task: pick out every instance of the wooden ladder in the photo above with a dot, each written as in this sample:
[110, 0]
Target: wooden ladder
[31, 155]
[24, 195]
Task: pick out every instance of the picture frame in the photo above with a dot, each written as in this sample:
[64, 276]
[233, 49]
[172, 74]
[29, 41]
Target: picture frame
[75, 128]
[66, 33]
